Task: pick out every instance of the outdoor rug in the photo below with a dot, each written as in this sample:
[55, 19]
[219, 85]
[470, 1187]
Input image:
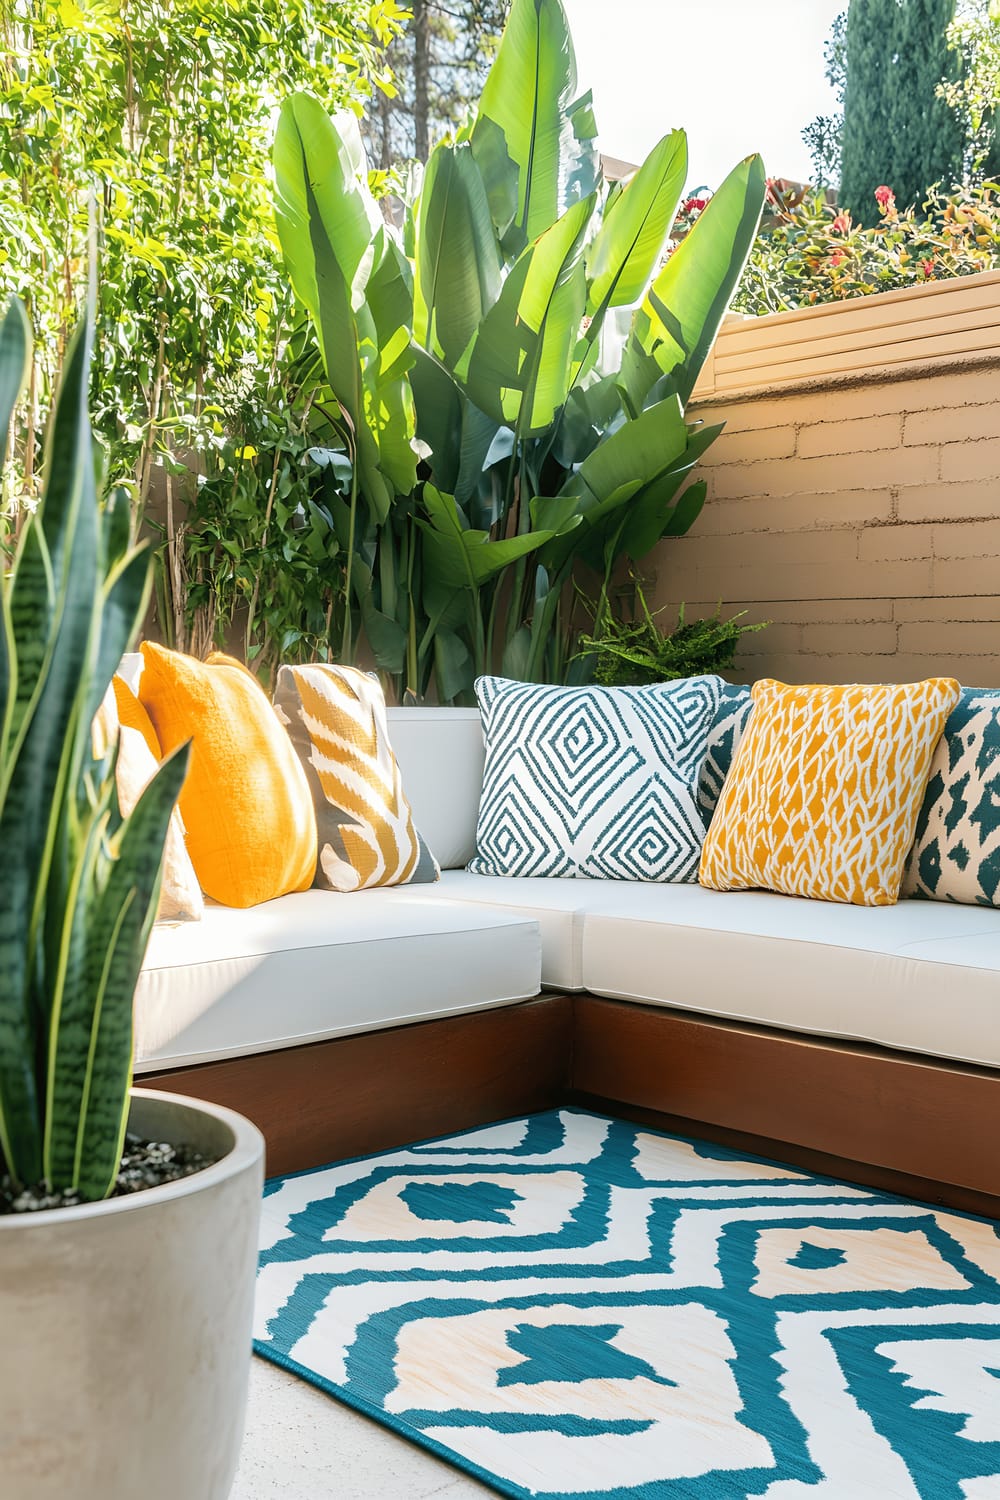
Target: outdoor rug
[569, 1306]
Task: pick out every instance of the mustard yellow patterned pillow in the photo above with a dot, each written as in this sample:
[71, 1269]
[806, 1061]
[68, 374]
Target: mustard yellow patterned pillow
[824, 791]
[336, 719]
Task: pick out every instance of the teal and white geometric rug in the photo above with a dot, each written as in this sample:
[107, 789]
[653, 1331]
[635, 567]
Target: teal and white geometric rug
[567, 1306]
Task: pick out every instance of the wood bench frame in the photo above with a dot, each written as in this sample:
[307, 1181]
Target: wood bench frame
[894, 1120]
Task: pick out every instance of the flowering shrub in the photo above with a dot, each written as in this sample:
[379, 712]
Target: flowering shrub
[810, 252]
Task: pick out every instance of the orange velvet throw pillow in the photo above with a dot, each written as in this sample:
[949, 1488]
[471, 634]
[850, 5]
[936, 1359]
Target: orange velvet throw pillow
[246, 804]
[132, 715]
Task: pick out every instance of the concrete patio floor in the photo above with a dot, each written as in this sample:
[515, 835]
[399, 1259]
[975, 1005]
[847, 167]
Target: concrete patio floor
[302, 1445]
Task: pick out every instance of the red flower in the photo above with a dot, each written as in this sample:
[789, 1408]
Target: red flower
[884, 196]
[837, 257]
[841, 224]
[927, 266]
[693, 205]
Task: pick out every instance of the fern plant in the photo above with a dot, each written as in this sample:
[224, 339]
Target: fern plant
[79, 884]
[632, 653]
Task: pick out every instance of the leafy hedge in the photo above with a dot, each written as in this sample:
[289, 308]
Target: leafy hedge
[811, 252]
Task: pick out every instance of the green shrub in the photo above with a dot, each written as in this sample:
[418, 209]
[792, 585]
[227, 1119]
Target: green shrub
[163, 125]
[811, 253]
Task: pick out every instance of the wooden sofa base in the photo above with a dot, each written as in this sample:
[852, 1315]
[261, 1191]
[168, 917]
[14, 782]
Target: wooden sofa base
[357, 1094]
[891, 1120]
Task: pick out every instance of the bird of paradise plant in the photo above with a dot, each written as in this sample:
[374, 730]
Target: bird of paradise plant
[491, 450]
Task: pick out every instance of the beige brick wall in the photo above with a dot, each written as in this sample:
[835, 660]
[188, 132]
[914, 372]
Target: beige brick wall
[862, 519]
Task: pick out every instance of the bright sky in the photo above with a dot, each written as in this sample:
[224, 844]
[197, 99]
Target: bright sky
[737, 75]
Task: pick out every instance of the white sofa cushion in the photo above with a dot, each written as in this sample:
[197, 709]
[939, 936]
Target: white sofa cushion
[318, 964]
[441, 757]
[920, 976]
[557, 904]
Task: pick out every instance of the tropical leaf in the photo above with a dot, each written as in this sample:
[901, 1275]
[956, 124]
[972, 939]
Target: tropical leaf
[531, 118]
[453, 666]
[636, 452]
[629, 244]
[458, 260]
[687, 510]
[387, 355]
[324, 156]
[681, 313]
[332, 237]
[518, 367]
[457, 557]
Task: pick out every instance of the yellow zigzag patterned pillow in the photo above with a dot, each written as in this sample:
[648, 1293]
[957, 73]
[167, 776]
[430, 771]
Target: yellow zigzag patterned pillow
[824, 792]
[336, 719]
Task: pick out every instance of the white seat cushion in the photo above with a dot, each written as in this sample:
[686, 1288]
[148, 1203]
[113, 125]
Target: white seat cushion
[321, 964]
[559, 905]
[923, 976]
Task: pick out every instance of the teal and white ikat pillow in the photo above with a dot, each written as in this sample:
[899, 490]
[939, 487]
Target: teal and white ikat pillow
[593, 782]
[735, 705]
[956, 852]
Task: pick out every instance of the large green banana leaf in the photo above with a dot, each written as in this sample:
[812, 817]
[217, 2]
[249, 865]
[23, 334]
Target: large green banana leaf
[681, 313]
[333, 241]
[387, 356]
[533, 138]
[458, 557]
[458, 260]
[458, 561]
[636, 451]
[626, 249]
[518, 367]
[617, 471]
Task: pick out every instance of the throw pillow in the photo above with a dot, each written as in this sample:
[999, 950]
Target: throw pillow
[251, 828]
[336, 719]
[133, 716]
[724, 737]
[956, 854]
[181, 899]
[824, 792]
[593, 782]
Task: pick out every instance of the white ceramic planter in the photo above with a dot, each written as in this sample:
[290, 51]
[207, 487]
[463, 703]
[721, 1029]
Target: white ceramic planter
[125, 1326]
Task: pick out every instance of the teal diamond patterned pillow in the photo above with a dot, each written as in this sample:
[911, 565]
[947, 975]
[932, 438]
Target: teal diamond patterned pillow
[956, 852]
[724, 736]
[593, 782]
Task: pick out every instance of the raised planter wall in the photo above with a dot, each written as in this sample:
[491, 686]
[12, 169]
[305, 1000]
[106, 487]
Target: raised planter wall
[854, 496]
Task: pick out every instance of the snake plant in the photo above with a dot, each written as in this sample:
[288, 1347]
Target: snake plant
[78, 884]
[494, 446]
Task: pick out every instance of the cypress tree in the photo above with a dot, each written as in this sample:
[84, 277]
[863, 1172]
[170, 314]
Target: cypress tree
[896, 131]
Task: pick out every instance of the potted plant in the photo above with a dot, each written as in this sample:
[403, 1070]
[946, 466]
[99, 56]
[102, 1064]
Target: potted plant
[125, 1318]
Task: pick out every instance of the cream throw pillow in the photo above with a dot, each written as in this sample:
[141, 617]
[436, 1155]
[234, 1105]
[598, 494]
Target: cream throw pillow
[181, 898]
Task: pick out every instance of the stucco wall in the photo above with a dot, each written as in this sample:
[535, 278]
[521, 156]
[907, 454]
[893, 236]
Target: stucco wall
[859, 514]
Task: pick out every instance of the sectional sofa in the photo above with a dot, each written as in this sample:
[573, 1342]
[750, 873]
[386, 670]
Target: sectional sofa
[863, 1041]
